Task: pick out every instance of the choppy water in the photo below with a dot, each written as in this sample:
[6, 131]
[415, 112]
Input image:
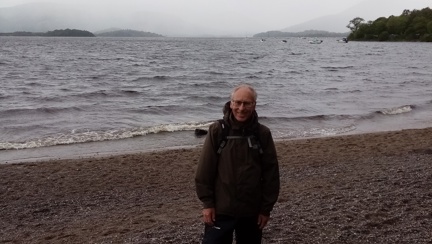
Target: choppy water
[149, 93]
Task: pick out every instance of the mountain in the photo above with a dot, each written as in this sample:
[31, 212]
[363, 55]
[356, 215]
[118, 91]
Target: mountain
[54, 33]
[128, 33]
[308, 33]
[34, 18]
[331, 23]
[366, 10]
[43, 17]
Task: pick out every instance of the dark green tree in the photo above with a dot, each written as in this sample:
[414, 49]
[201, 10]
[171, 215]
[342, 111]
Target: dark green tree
[412, 25]
[378, 26]
[355, 23]
[429, 27]
[406, 12]
[383, 36]
[419, 24]
[397, 25]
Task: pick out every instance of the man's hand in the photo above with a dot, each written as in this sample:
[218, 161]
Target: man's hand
[209, 216]
[262, 221]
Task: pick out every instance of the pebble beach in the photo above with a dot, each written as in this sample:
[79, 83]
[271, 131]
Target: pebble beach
[363, 188]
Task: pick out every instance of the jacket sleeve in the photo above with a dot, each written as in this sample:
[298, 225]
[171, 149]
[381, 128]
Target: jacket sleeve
[207, 168]
[270, 175]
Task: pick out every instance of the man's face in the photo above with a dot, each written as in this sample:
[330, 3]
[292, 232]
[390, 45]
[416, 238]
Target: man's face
[242, 104]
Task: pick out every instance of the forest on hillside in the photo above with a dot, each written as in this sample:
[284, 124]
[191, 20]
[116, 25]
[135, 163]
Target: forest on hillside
[415, 25]
[54, 33]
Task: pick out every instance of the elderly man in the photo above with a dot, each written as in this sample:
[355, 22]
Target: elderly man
[237, 178]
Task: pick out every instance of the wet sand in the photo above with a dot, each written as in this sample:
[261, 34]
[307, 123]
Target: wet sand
[368, 188]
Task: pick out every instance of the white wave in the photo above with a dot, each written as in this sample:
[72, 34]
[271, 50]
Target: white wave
[177, 127]
[329, 131]
[398, 110]
[95, 136]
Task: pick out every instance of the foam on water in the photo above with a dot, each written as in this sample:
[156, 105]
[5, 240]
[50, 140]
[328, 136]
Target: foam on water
[397, 110]
[95, 136]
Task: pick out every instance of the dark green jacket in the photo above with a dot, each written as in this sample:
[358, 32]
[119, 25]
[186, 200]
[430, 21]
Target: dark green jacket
[240, 181]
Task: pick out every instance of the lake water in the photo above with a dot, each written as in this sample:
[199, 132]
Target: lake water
[77, 97]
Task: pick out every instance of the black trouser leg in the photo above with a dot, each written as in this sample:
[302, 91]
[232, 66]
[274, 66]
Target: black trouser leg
[221, 232]
[247, 231]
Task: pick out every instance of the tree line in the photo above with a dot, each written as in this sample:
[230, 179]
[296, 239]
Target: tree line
[54, 33]
[415, 25]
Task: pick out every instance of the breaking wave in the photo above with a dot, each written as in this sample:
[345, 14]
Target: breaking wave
[96, 136]
[397, 110]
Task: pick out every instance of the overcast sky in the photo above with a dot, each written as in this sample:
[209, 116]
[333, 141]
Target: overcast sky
[250, 15]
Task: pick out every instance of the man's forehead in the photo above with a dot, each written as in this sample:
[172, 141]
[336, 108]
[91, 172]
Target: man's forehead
[244, 93]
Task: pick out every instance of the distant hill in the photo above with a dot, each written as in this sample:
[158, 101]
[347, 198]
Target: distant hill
[39, 17]
[128, 33]
[309, 33]
[55, 33]
[44, 16]
[70, 32]
[106, 30]
[364, 9]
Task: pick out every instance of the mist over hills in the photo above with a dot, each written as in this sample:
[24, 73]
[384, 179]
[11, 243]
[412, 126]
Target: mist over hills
[40, 17]
[338, 22]
[43, 17]
[127, 33]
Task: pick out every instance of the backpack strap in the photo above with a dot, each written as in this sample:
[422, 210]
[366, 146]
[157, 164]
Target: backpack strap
[257, 144]
[223, 136]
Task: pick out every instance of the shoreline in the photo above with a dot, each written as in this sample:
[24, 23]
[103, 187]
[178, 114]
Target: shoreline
[82, 151]
[356, 188]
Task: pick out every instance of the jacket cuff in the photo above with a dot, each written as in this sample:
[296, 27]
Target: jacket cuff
[208, 205]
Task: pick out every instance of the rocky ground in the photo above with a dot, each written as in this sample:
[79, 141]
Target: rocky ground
[369, 188]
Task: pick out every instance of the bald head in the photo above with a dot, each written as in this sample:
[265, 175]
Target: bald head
[247, 87]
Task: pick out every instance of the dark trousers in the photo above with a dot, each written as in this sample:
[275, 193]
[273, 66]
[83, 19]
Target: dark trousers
[246, 230]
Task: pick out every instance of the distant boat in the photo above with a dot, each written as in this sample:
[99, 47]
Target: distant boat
[315, 41]
[262, 40]
[343, 40]
[284, 41]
